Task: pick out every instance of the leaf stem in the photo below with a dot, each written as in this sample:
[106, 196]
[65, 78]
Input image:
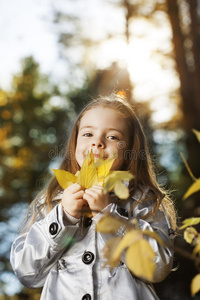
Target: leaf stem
[188, 168]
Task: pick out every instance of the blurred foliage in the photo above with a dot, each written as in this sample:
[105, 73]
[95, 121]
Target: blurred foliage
[33, 127]
[33, 116]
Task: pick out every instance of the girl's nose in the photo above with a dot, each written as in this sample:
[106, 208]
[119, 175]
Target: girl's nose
[98, 144]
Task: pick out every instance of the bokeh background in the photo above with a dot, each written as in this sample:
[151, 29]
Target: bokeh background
[55, 56]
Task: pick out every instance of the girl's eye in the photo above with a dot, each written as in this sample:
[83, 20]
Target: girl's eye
[87, 134]
[113, 137]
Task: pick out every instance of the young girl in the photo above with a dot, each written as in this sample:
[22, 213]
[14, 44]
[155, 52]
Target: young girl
[60, 250]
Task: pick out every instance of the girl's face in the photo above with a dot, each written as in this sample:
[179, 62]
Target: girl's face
[103, 129]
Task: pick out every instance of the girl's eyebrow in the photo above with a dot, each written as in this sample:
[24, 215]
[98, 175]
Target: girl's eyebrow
[84, 127]
[94, 127]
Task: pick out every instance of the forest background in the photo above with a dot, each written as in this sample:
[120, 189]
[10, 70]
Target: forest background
[150, 49]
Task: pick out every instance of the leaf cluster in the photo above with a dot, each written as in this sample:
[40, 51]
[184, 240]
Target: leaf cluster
[128, 243]
[191, 235]
[96, 173]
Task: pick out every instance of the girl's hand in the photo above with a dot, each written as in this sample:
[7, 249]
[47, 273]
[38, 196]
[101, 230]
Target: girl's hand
[96, 199]
[72, 200]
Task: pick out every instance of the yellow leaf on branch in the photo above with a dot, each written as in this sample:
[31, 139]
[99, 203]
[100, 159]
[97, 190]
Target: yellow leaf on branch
[195, 187]
[153, 235]
[189, 234]
[196, 250]
[126, 241]
[139, 256]
[195, 285]
[190, 222]
[197, 133]
[140, 259]
[109, 250]
[109, 224]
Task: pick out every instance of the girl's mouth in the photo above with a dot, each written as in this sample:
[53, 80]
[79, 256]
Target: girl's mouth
[96, 156]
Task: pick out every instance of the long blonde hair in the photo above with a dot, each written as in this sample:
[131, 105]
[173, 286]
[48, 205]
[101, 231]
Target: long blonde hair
[138, 159]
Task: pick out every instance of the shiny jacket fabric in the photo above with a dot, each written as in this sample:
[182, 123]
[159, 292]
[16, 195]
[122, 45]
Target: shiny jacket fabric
[66, 259]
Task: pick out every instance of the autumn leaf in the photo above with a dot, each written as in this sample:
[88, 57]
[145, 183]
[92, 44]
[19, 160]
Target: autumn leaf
[64, 178]
[115, 246]
[114, 181]
[103, 167]
[190, 222]
[127, 240]
[195, 187]
[109, 249]
[88, 173]
[133, 243]
[140, 259]
[139, 255]
[109, 224]
[196, 250]
[197, 133]
[189, 234]
[195, 285]
[153, 235]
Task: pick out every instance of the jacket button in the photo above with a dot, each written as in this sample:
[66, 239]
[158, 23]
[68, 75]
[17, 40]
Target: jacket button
[87, 297]
[87, 257]
[53, 228]
[87, 222]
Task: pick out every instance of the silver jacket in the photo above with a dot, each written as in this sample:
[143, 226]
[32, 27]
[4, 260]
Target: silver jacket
[66, 259]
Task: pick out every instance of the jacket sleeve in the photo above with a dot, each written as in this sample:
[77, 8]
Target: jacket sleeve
[35, 252]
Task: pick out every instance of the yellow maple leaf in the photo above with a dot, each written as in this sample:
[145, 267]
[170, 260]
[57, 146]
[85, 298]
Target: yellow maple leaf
[195, 285]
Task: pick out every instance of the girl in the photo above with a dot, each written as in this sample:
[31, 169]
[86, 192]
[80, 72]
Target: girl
[59, 249]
